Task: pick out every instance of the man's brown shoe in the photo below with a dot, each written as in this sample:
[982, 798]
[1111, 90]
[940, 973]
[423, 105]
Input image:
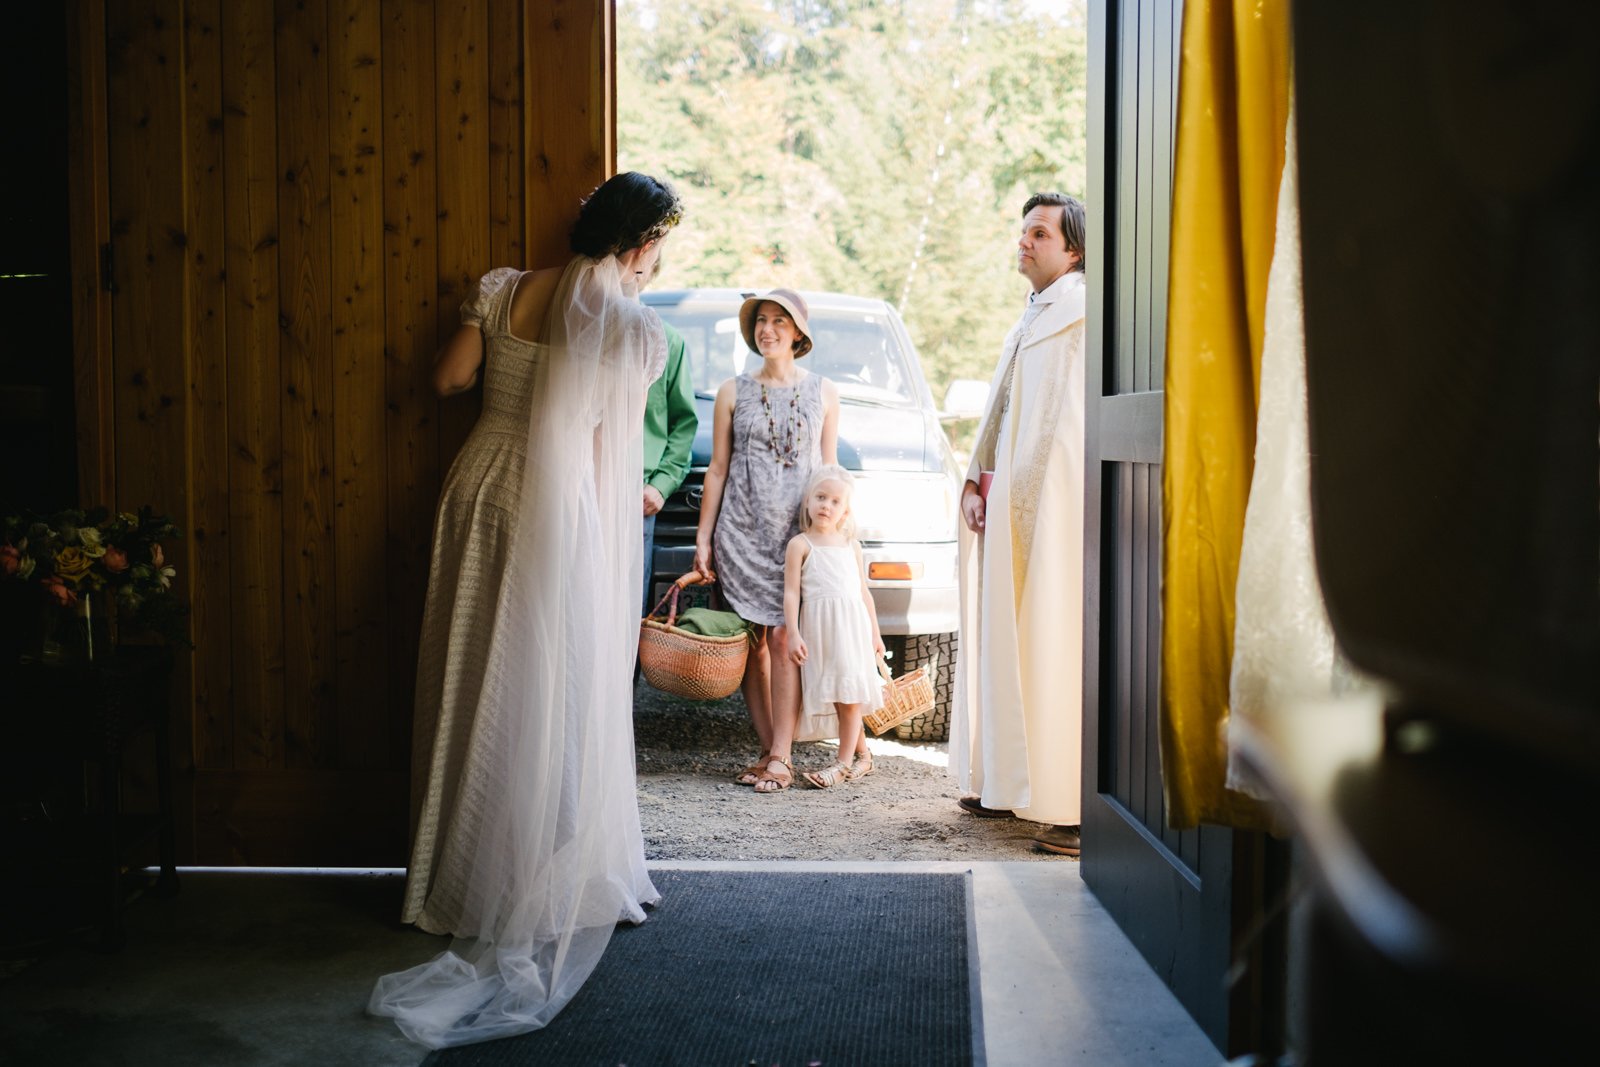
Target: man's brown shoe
[974, 806]
[1062, 840]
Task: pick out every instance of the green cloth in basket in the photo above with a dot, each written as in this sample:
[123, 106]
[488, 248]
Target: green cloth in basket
[711, 623]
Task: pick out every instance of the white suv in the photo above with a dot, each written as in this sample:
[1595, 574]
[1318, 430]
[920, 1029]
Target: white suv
[908, 485]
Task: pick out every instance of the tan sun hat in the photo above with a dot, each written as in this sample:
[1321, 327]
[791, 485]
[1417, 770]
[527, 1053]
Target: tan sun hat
[787, 299]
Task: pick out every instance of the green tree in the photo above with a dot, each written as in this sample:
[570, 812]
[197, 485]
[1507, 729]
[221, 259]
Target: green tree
[870, 146]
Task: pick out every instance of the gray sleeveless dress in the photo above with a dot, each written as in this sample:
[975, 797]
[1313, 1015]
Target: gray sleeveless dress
[761, 500]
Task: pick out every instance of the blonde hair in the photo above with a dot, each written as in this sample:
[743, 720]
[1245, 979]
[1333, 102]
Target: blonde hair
[830, 472]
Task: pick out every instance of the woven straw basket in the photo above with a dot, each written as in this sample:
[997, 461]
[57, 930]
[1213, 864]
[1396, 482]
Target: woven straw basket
[696, 666]
[904, 697]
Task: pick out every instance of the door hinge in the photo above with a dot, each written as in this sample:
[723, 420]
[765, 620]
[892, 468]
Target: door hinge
[107, 282]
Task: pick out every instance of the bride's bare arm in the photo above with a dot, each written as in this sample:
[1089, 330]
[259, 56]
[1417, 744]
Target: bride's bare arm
[455, 368]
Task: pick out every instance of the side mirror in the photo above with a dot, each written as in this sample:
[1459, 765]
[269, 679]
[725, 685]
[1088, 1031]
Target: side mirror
[965, 399]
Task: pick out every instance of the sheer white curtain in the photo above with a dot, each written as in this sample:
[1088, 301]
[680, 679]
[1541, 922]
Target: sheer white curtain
[1283, 648]
[559, 860]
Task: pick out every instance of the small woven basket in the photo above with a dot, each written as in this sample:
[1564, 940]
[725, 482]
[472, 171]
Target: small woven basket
[696, 666]
[904, 697]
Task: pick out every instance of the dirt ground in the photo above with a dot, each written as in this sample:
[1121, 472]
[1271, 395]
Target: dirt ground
[691, 809]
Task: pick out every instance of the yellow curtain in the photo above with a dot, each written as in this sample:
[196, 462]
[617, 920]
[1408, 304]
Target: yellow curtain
[1233, 102]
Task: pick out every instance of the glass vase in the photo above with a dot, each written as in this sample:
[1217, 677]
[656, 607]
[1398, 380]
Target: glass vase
[77, 633]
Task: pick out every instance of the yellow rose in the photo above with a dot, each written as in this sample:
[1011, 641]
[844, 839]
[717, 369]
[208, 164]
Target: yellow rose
[72, 564]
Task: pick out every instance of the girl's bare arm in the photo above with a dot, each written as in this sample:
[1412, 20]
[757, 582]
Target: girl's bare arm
[866, 598]
[794, 557]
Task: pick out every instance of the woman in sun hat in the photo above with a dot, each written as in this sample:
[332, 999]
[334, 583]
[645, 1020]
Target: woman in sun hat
[771, 429]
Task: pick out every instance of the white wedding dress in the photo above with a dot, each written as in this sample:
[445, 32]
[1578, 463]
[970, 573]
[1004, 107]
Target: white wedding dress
[554, 858]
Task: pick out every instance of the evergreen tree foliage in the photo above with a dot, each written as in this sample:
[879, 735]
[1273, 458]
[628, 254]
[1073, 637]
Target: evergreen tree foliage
[878, 147]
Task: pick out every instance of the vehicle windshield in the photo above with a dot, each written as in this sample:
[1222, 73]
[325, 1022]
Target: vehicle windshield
[857, 350]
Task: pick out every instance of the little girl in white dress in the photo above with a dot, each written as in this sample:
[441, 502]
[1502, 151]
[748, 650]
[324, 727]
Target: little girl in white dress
[833, 626]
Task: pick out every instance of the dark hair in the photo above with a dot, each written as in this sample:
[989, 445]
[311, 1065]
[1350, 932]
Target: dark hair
[1074, 223]
[626, 211]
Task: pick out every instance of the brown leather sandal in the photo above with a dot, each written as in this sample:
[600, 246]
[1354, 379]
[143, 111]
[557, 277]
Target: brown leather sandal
[784, 778]
[752, 774]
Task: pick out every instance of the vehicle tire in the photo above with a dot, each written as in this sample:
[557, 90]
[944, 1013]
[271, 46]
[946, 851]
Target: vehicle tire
[912, 651]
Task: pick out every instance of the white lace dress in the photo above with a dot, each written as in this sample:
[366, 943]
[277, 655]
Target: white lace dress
[840, 666]
[528, 846]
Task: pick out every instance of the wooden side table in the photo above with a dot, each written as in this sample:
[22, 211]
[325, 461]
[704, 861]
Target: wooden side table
[85, 714]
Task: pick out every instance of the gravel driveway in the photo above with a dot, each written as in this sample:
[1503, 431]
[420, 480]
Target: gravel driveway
[689, 752]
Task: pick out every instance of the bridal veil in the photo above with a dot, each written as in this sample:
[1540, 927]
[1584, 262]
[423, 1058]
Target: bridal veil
[559, 858]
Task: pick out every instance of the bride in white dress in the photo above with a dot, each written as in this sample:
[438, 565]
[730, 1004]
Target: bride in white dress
[527, 845]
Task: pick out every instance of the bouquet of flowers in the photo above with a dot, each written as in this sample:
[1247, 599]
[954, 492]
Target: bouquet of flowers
[72, 554]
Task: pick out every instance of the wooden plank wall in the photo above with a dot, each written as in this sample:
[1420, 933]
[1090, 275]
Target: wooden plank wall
[298, 196]
[90, 230]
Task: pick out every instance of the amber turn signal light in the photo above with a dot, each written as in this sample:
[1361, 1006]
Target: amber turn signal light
[894, 572]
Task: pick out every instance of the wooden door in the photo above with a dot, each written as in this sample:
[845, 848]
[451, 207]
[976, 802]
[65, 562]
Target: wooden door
[1174, 893]
[278, 208]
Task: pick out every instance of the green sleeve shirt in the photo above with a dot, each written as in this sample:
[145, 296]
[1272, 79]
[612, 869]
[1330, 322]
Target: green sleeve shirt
[670, 421]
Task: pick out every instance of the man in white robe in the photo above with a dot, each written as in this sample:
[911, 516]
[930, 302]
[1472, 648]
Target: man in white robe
[1017, 732]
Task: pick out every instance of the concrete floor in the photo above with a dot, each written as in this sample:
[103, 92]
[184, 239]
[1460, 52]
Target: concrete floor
[275, 968]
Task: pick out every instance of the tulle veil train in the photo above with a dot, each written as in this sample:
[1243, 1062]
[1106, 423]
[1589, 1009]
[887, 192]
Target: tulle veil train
[559, 859]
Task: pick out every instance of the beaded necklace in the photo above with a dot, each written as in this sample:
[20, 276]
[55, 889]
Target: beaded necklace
[787, 453]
